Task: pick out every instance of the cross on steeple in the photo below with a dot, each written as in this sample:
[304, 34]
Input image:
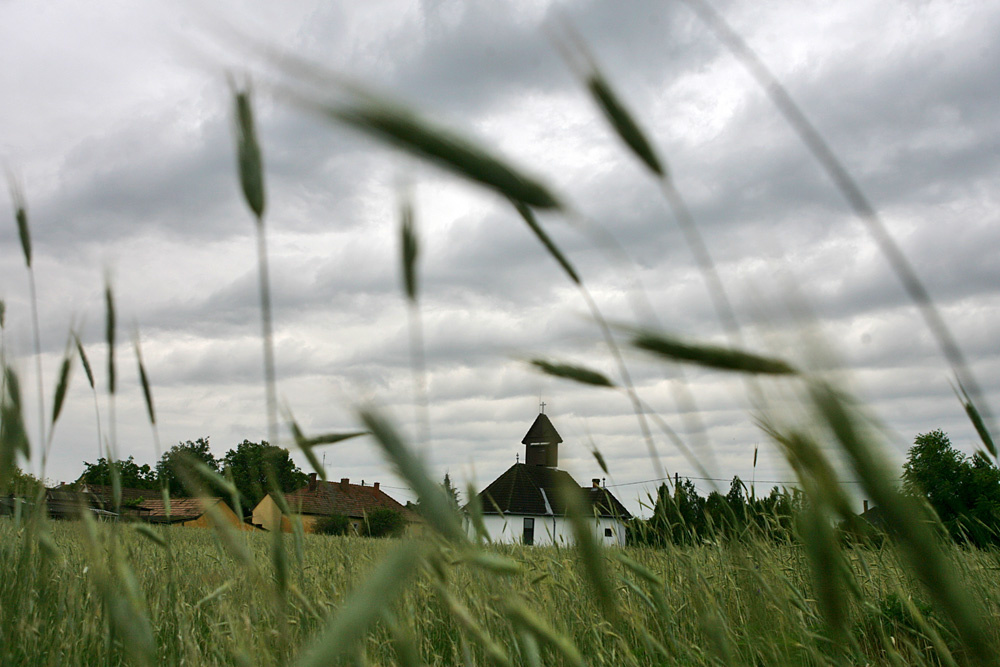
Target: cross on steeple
[541, 407]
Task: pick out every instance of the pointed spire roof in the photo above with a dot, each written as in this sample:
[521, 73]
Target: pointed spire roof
[542, 432]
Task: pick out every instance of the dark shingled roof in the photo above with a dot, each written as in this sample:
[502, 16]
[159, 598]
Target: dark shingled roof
[534, 490]
[352, 500]
[541, 432]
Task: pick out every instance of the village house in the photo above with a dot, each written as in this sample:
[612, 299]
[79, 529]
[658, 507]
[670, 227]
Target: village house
[141, 505]
[526, 503]
[319, 500]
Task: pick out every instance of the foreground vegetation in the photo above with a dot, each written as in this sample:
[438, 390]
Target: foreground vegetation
[89, 593]
[740, 603]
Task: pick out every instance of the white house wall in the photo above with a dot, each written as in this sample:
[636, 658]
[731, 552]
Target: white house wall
[549, 530]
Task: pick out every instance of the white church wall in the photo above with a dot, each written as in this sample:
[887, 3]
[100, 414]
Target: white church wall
[548, 530]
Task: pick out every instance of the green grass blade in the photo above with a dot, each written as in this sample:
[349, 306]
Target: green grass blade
[147, 395]
[712, 356]
[979, 423]
[109, 335]
[572, 372]
[306, 444]
[529, 621]
[437, 508]
[529, 217]
[62, 385]
[348, 626]
[409, 243]
[83, 360]
[248, 154]
[21, 217]
[919, 544]
[623, 122]
[404, 128]
[13, 435]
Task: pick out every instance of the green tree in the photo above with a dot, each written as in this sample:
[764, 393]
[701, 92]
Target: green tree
[131, 474]
[450, 489]
[383, 522]
[335, 524]
[678, 517]
[252, 467]
[179, 458]
[963, 491]
[23, 484]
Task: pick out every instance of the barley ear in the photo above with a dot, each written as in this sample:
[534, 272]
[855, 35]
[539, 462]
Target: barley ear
[712, 356]
[144, 380]
[572, 372]
[248, 154]
[623, 122]
[61, 386]
[83, 360]
[109, 334]
[978, 422]
[410, 248]
[21, 216]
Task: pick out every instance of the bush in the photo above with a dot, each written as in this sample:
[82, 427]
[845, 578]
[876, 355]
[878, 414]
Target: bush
[335, 524]
[383, 522]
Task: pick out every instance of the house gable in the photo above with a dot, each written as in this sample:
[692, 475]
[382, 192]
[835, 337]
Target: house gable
[321, 499]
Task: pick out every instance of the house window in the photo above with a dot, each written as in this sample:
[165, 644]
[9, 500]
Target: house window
[608, 532]
[529, 531]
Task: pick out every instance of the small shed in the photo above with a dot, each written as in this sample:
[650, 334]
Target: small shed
[319, 499]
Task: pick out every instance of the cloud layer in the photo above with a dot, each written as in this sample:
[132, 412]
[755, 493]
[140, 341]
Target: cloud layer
[118, 127]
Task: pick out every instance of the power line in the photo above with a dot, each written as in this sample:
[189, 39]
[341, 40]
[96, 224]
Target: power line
[720, 479]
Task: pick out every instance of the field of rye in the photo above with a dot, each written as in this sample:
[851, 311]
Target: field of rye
[85, 592]
[184, 596]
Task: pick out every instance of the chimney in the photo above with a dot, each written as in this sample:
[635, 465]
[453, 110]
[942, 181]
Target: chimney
[866, 505]
[375, 486]
[312, 481]
[595, 483]
[344, 483]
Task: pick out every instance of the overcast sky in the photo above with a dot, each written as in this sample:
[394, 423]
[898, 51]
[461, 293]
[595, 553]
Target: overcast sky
[116, 122]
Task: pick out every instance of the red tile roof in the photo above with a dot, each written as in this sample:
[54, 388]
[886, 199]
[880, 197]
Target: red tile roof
[181, 509]
[352, 500]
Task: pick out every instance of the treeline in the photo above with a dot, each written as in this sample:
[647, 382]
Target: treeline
[682, 516]
[253, 467]
[960, 493]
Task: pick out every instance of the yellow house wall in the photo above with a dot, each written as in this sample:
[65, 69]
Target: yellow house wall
[222, 512]
[268, 515]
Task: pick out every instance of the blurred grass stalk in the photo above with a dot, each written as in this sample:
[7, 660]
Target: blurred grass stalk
[251, 173]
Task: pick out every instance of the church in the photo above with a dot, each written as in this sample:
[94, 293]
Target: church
[525, 504]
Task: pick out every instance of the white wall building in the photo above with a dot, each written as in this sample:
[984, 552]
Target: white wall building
[526, 503]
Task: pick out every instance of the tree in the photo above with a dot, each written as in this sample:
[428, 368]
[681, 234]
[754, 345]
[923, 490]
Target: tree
[131, 475]
[179, 458]
[678, 518]
[383, 522]
[963, 491]
[335, 524]
[252, 467]
[450, 489]
[23, 484]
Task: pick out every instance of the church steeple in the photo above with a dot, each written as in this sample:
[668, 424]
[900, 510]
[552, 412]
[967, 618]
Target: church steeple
[541, 443]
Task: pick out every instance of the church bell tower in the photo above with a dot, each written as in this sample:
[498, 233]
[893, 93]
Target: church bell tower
[541, 444]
